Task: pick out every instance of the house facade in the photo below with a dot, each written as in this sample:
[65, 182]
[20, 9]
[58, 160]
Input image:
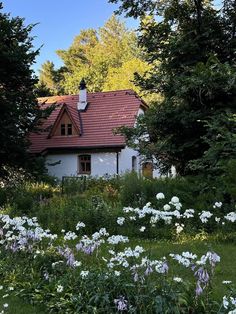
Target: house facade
[78, 137]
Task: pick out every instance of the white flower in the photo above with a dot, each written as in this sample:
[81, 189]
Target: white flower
[120, 220]
[217, 204]
[179, 228]
[11, 288]
[233, 301]
[160, 196]
[142, 229]
[5, 305]
[77, 264]
[115, 239]
[63, 230]
[225, 302]
[178, 279]
[175, 199]
[79, 225]
[70, 236]
[204, 216]
[189, 213]
[84, 273]
[217, 219]
[60, 288]
[231, 216]
[117, 273]
[226, 282]
[189, 255]
[166, 207]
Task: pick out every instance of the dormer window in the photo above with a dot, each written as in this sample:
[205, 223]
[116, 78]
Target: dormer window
[63, 129]
[69, 129]
[66, 129]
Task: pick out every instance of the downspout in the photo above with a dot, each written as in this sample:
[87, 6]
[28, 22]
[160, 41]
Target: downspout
[117, 163]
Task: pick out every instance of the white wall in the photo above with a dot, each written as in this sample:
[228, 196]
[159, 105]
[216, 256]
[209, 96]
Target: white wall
[66, 167]
[101, 163]
[125, 160]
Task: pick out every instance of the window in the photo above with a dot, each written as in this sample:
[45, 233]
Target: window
[69, 129]
[134, 163]
[66, 129]
[84, 164]
[63, 129]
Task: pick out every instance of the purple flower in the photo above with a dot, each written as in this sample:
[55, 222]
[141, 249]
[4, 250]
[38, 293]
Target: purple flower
[121, 304]
[79, 246]
[148, 271]
[199, 289]
[165, 267]
[202, 275]
[68, 254]
[203, 278]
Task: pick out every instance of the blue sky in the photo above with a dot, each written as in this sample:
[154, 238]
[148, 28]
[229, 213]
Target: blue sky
[60, 21]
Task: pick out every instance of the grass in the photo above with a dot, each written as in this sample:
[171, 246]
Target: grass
[18, 306]
[225, 270]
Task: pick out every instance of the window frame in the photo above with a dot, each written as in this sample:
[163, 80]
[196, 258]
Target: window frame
[69, 127]
[87, 164]
[63, 129]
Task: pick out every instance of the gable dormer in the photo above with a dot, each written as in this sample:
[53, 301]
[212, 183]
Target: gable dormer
[64, 124]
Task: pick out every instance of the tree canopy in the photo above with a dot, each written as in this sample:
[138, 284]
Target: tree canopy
[19, 109]
[191, 46]
[107, 59]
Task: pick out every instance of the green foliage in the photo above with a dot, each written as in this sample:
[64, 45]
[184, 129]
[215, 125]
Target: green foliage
[98, 202]
[40, 273]
[23, 197]
[191, 46]
[107, 59]
[49, 80]
[19, 110]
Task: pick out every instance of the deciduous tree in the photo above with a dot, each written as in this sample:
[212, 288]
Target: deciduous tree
[191, 46]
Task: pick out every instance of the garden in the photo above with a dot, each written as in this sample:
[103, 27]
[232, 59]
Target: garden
[126, 244]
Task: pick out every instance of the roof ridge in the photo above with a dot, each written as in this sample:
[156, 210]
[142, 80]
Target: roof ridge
[73, 95]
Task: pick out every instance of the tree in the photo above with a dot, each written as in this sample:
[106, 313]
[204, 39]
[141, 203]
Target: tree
[19, 110]
[98, 57]
[51, 78]
[191, 46]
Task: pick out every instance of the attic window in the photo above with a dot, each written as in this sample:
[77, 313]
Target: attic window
[63, 129]
[66, 129]
[69, 129]
[84, 164]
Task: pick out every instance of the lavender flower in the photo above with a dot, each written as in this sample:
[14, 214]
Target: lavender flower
[121, 304]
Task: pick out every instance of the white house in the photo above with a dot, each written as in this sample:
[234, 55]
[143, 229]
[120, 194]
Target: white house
[78, 137]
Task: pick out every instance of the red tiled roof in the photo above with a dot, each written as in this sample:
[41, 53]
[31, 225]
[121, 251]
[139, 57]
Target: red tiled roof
[105, 112]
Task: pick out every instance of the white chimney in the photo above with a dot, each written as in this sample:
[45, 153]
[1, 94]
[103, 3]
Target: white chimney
[82, 96]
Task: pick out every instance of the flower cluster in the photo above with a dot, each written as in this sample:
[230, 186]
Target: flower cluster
[229, 303]
[22, 233]
[171, 213]
[88, 245]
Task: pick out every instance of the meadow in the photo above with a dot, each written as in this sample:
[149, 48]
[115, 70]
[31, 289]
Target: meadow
[114, 245]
